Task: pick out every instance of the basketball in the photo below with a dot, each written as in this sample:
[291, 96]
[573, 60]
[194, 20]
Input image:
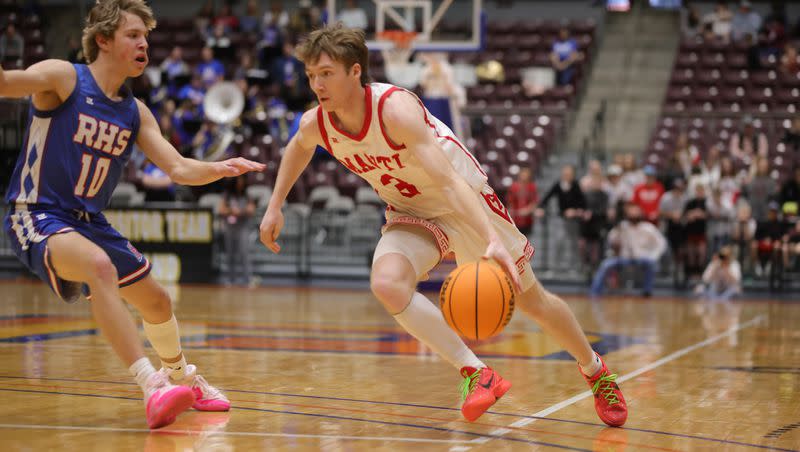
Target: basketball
[477, 300]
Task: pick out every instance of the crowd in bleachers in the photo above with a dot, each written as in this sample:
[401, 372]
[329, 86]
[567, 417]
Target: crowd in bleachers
[21, 39]
[730, 131]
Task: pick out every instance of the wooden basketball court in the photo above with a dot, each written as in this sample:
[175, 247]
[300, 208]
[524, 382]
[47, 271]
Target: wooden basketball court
[316, 369]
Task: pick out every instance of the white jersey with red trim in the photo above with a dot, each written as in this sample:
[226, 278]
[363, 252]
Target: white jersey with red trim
[395, 173]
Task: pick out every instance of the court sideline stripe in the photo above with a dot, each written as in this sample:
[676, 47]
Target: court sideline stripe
[487, 437]
[412, 405]
[341, 410]
[646, 368]
[169, 431]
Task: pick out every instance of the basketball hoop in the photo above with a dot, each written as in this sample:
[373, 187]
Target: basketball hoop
[399, 70]
[402, 39]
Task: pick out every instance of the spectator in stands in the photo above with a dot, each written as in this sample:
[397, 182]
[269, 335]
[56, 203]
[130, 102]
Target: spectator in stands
[594, 177]
[695, 214]
[720, 21]
[204, 17]
[276, 16]
[691, 25]
[210, 69]
[174, 67]
[647, 195]
[250, 21]
[640, 244]
[442, 95]
[729, 182]
[789, 197]
[670, 209]
[522, 199]
[352, 16]
[595, 217]
[618, 192]
[156, 184]
[672, 171]
[775, 35]
[194, 91]
[743, 230]
[571, 204]
[289, 73]
[187, 117]
[720, 216]
[236, 210]
[75, 53]
[305, 19]
[12, 46]
[168, 131]
[767, 245]
[687, 156]
[722, 278]
[204, 140]
[219, 41]
[564, 57]
[761, 189]
[746, 21]
[711, 165]
[756, 48]
[246, 64]
[790, 61]
[226, 18]
[632, 175]
[791, 244]
[747, 143]
[270, 46]
[791, 137]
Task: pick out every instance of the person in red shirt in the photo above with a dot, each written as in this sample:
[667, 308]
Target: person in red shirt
[648, 195]
[522, 200]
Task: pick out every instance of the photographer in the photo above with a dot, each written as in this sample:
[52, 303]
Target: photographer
[722, 279]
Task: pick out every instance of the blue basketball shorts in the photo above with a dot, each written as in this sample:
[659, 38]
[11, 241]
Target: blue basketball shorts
[28, 226]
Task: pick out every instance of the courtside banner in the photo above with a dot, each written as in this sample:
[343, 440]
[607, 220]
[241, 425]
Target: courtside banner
[176, 240]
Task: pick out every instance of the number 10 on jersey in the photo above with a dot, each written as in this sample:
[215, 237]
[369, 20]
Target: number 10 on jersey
[98, 177]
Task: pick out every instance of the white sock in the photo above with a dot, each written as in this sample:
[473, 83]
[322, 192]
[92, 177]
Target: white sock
[141, 371]
[594, 365]
[423, 320]
[166, 340]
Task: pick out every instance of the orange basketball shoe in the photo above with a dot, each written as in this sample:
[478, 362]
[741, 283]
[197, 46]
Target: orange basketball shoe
[479, 390]
[608, 400]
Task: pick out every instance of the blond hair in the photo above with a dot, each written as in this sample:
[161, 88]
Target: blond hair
[342, 44]
[104, 19]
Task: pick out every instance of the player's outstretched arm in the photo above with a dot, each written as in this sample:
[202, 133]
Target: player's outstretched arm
[405, 123]
[180, 169]
[295, 159]
[56, 76]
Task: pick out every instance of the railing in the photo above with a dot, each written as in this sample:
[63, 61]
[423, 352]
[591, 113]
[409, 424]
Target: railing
[339, 245]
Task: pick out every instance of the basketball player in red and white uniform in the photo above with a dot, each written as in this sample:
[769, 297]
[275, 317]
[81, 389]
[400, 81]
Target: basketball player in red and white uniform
[439, 202]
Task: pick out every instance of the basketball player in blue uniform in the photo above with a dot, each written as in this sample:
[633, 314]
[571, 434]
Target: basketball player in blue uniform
[82, 127]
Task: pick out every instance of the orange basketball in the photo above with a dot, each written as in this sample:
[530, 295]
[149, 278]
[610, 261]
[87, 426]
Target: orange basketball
[477, 299]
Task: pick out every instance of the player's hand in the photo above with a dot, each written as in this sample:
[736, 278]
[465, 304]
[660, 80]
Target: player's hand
[238, 166]
[270, 229]
[498, 253]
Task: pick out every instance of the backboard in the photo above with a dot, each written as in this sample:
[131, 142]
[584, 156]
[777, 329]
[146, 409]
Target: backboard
[440, 25]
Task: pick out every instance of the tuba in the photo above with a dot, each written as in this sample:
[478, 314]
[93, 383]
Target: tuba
[223, 104]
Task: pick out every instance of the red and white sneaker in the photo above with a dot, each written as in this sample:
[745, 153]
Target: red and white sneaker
[608, 400]
[165, 401]
[480, 389]
[207, 397]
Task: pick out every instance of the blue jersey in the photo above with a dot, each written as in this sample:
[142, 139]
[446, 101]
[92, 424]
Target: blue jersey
[74, 155]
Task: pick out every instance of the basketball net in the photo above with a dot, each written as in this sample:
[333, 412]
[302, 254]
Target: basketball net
[399, 70]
